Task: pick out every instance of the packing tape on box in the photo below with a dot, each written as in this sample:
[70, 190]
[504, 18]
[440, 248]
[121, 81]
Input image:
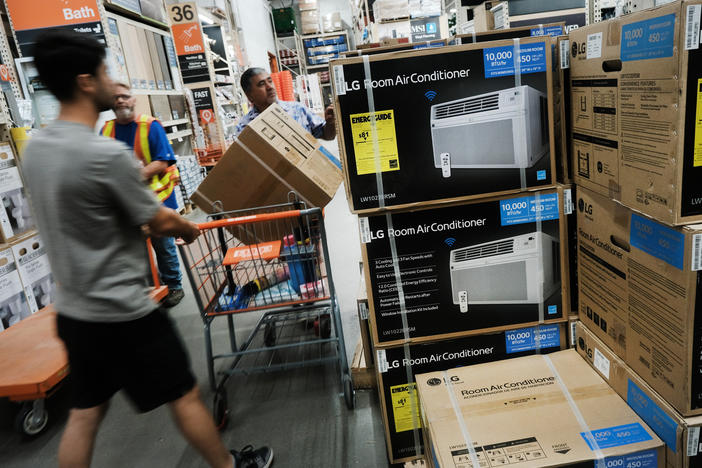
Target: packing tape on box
[411, 390]
[586, 433]
[470, 446]
[539, 250]
[517, 60]
[523, 182]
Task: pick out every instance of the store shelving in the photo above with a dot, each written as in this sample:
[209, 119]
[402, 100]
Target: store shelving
[313, 38]
[361, 19]
[180, 134]
[157, 92]
[290, 47]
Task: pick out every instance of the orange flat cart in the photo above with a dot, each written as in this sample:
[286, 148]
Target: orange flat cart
[33, 362]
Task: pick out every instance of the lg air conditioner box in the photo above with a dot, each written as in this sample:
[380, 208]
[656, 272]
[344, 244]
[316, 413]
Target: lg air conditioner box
[523, 269]
[499, 130]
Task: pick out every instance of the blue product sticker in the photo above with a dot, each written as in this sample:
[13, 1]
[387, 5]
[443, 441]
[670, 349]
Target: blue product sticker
[330, 156]
[541, 175]
[499, 61]
[552, 309]
[663, 425]
[660, 241]
[644, 459]
[527, 210]
[616, 436]
[650, 39]
[529, 339]
[547, 31]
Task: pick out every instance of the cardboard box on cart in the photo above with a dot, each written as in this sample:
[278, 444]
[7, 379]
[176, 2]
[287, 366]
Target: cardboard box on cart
[533, 411]
[635, 90]
[272, 156]
[452, 123]
[467, 268]
[681, 435]
[640, 293]
[398, 397]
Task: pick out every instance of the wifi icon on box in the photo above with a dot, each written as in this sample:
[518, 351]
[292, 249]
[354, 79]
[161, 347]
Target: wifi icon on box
[449, 241]
[430, 95]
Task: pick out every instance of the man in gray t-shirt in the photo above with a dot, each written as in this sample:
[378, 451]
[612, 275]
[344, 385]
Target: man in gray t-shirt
[92, 209]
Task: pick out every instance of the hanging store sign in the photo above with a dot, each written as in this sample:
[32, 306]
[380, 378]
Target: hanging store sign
[30, 18]
[204, 105]
[425, 29]
[189, 43]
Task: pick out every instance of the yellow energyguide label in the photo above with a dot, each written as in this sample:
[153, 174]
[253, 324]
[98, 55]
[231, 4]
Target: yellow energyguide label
[364, 145]
[405, 407]
[698, 127]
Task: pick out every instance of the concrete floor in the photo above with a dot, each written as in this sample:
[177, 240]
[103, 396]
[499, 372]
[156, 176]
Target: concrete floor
[300, 413]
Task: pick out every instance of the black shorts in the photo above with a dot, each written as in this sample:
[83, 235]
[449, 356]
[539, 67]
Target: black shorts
[145, 357]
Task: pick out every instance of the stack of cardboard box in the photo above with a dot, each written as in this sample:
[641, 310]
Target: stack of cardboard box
[26, 283]
[309, 16]
[637, 156]
[271, 157]
[449, 158]
[532, 412]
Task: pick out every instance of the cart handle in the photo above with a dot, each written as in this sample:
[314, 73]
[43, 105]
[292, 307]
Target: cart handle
[226, 222]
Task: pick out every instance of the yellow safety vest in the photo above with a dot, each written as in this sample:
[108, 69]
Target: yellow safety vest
[162, 184]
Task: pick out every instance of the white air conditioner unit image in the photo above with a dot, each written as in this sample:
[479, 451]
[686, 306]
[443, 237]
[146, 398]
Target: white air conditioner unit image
[522, 269]
[498, 130]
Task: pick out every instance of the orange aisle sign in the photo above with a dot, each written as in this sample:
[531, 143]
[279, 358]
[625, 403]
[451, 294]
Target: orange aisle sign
[262, 251]
[31, 17]
[39, 14]
[189, 42]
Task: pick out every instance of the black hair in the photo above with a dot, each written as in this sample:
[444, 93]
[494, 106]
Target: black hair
[246, 77]
[60, 56]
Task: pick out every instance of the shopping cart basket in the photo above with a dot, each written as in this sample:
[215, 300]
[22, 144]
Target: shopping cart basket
[273, 260]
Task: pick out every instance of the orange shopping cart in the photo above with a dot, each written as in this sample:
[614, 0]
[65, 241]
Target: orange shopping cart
[273, 260]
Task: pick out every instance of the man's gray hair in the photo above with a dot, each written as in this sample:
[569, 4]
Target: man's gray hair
[246, 77]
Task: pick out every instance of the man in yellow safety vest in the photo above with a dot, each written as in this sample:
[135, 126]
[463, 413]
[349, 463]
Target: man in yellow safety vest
[147, 137]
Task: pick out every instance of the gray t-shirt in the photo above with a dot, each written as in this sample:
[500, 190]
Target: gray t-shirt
[90, 204]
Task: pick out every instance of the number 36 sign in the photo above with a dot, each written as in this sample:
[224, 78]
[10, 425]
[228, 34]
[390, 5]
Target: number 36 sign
[189, 44]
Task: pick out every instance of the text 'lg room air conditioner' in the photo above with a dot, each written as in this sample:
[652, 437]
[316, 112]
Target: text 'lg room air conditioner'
[523, 269]
[499, 130]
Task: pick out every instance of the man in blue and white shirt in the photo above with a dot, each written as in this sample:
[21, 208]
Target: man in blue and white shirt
[258, 87]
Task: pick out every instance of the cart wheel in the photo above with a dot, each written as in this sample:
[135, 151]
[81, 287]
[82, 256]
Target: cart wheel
[27, 424]
[269, 335]
[349, 392]
[220, 413]
[325, 326]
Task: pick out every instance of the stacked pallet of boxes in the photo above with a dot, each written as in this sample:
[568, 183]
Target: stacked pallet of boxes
[309, 16]
[449, 160]
[26, 284]
[320, 50]
[636, 107]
